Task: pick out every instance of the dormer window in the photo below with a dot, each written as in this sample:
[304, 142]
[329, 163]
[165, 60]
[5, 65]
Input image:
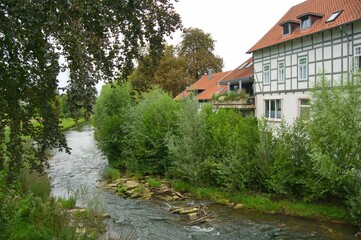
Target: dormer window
[308, 19]
[305, 22]
[288, 27]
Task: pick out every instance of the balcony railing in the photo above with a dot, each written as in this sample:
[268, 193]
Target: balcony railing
[243, 103]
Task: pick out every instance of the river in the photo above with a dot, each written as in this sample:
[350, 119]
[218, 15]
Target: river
[141, 219]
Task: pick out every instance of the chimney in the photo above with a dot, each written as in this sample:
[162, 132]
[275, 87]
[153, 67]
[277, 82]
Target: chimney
[209, 74]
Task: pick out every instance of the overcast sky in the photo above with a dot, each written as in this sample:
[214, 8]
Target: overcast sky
[235, 25]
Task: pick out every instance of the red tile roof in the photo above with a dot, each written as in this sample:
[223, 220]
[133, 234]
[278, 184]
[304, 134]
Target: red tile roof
[351, 11]
[209, 87]
[245, 70]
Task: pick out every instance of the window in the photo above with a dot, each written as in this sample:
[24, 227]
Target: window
[273, 109]
[266, 74]
[334, 16]
[357, 55]
[305, 22]
[304, 108]
[302, 68]
[286, 29]
[281, 72]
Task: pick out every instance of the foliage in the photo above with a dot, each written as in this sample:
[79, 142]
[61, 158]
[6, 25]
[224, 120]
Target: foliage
[188, 146]
[94, 39]
[197, 49]
[172, 74]
[68, 203]
[153, 182]
[142, 78]
[67, 123]
[26, 214]
[292, 167]
[111, 173]
[110, 119]
[177, 67]
[264, 157]
[233, 139]
[230, 96]
[335, 133]
[150, 121]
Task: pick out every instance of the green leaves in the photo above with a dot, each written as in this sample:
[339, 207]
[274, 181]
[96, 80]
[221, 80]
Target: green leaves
[99, 41]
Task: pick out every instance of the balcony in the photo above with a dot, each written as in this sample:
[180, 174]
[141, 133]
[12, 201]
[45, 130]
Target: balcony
[234, 100]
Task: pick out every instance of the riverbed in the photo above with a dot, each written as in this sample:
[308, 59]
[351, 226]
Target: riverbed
[79, 173]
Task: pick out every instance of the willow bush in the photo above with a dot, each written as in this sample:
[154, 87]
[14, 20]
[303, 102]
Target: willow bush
[110, 119]
[187, 143]
[335, 136]
[150, 121]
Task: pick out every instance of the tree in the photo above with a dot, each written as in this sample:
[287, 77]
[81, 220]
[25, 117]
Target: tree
[197, 48]
[142, 78]
[172, 74]
[98, 39]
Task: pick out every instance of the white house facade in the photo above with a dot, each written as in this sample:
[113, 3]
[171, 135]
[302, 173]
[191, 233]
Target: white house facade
[313, 38]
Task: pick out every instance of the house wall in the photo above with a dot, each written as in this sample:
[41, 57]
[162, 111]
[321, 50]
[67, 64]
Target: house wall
[329, 52]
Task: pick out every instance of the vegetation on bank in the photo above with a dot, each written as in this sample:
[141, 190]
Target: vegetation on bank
[27, 211]
[67, 123]
[312, 161]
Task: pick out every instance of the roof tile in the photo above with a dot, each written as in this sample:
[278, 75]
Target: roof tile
[351, 12]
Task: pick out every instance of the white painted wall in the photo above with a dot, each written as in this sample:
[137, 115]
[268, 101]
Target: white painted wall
[327, 52]
[290, 105]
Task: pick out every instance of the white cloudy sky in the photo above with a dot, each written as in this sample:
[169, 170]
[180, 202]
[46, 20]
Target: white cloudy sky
[236, 25]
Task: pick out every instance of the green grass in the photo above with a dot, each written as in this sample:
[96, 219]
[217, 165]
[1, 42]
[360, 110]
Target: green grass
[264, 204]
[111, 173]
[67, 123]
[69, 203]
[153, 182]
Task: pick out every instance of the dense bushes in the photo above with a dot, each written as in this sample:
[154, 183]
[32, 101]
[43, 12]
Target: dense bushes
[110, 118]
[318, 159]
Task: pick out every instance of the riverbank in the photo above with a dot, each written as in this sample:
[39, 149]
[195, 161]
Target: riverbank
[264, 203]
[67, 123]
[261, 203]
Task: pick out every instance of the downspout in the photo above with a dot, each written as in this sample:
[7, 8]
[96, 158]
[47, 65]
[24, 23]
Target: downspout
[348, 52]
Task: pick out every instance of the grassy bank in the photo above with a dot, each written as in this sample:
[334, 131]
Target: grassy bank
[265, 204]
[67, 123]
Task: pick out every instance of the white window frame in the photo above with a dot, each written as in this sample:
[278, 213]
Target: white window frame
[357, 58]
[267, 74]
[303, 105]
[281, 72]
[276, 105]
[302, 68]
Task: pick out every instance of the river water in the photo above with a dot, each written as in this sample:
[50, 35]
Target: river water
[79, 173]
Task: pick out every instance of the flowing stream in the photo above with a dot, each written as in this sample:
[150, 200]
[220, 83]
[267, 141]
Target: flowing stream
[141, 219]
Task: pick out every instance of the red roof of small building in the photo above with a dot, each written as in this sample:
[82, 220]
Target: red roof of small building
[351, 11]
[208, 87]
[245, 70]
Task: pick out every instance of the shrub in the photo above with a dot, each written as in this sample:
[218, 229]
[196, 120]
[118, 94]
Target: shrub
[110, 119]
[292, 167]
[151, 120]
[187, 143]
[335, 134]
